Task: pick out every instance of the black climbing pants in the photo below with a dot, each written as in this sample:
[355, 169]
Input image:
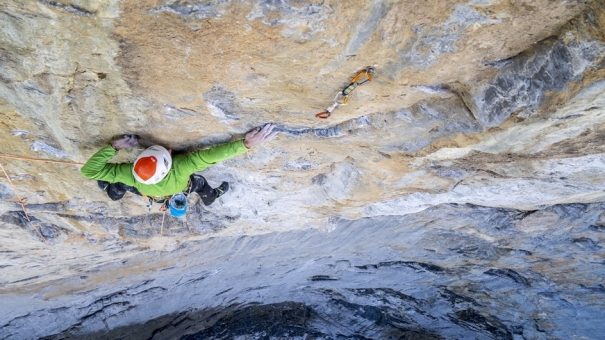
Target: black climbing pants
[116, 191]
[202, 188]
[199, 185]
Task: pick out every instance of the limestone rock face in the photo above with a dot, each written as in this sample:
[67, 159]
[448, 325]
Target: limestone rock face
[459, 194]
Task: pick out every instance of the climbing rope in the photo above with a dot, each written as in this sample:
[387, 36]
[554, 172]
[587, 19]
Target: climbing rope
[342, 98]
[162, 226]
[24, 158]
[21, 200]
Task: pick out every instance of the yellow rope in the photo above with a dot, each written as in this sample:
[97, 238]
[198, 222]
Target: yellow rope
[162, 226]
[20, 200]
[24, 158]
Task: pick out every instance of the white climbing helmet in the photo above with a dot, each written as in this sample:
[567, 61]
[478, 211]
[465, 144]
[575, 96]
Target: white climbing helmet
[152, 165]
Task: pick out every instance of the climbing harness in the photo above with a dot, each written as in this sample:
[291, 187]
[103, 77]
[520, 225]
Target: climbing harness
[151, 200]
[342, 98]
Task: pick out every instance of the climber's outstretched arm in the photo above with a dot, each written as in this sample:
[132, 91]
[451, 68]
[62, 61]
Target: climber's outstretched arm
[200, 160]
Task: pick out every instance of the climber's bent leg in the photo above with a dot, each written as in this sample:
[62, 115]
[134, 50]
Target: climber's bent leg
[116, 191]
[206, 192]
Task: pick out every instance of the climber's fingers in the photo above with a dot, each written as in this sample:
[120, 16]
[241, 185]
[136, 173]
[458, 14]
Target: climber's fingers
[272, 135]
[126, 142]
[266, 130]
[259, 135]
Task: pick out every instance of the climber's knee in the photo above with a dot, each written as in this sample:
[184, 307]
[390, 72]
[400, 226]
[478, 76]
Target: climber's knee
[197, 183]
[116, 191]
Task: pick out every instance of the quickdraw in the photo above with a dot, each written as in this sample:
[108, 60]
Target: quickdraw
[342, 98]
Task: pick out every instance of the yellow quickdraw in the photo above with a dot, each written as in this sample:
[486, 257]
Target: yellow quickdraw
[361, 77]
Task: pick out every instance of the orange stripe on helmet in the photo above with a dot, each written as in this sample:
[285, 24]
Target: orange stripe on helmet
[145, 167]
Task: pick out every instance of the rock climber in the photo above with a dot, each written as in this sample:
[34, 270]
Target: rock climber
[159, 175]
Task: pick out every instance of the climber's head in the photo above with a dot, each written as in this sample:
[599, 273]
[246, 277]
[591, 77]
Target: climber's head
[152, 165]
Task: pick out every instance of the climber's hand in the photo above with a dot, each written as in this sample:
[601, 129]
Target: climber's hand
[125, 142]
[259, 135]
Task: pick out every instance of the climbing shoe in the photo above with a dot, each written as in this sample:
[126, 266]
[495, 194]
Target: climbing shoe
[221, 189]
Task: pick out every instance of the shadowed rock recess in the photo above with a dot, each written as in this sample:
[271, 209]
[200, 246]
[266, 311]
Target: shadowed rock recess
[459, 195]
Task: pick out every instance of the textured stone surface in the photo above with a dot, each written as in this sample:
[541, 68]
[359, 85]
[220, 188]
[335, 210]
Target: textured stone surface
[458, 195]
[528, 78]
[453, 271]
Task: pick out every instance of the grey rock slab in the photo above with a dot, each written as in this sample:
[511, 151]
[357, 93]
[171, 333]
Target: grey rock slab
[301, 20]
[430, 43]
[192, 9]
[524, 81]
[368, 277]
[223, 104]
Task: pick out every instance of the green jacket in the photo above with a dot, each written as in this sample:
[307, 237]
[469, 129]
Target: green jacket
[177, 179]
